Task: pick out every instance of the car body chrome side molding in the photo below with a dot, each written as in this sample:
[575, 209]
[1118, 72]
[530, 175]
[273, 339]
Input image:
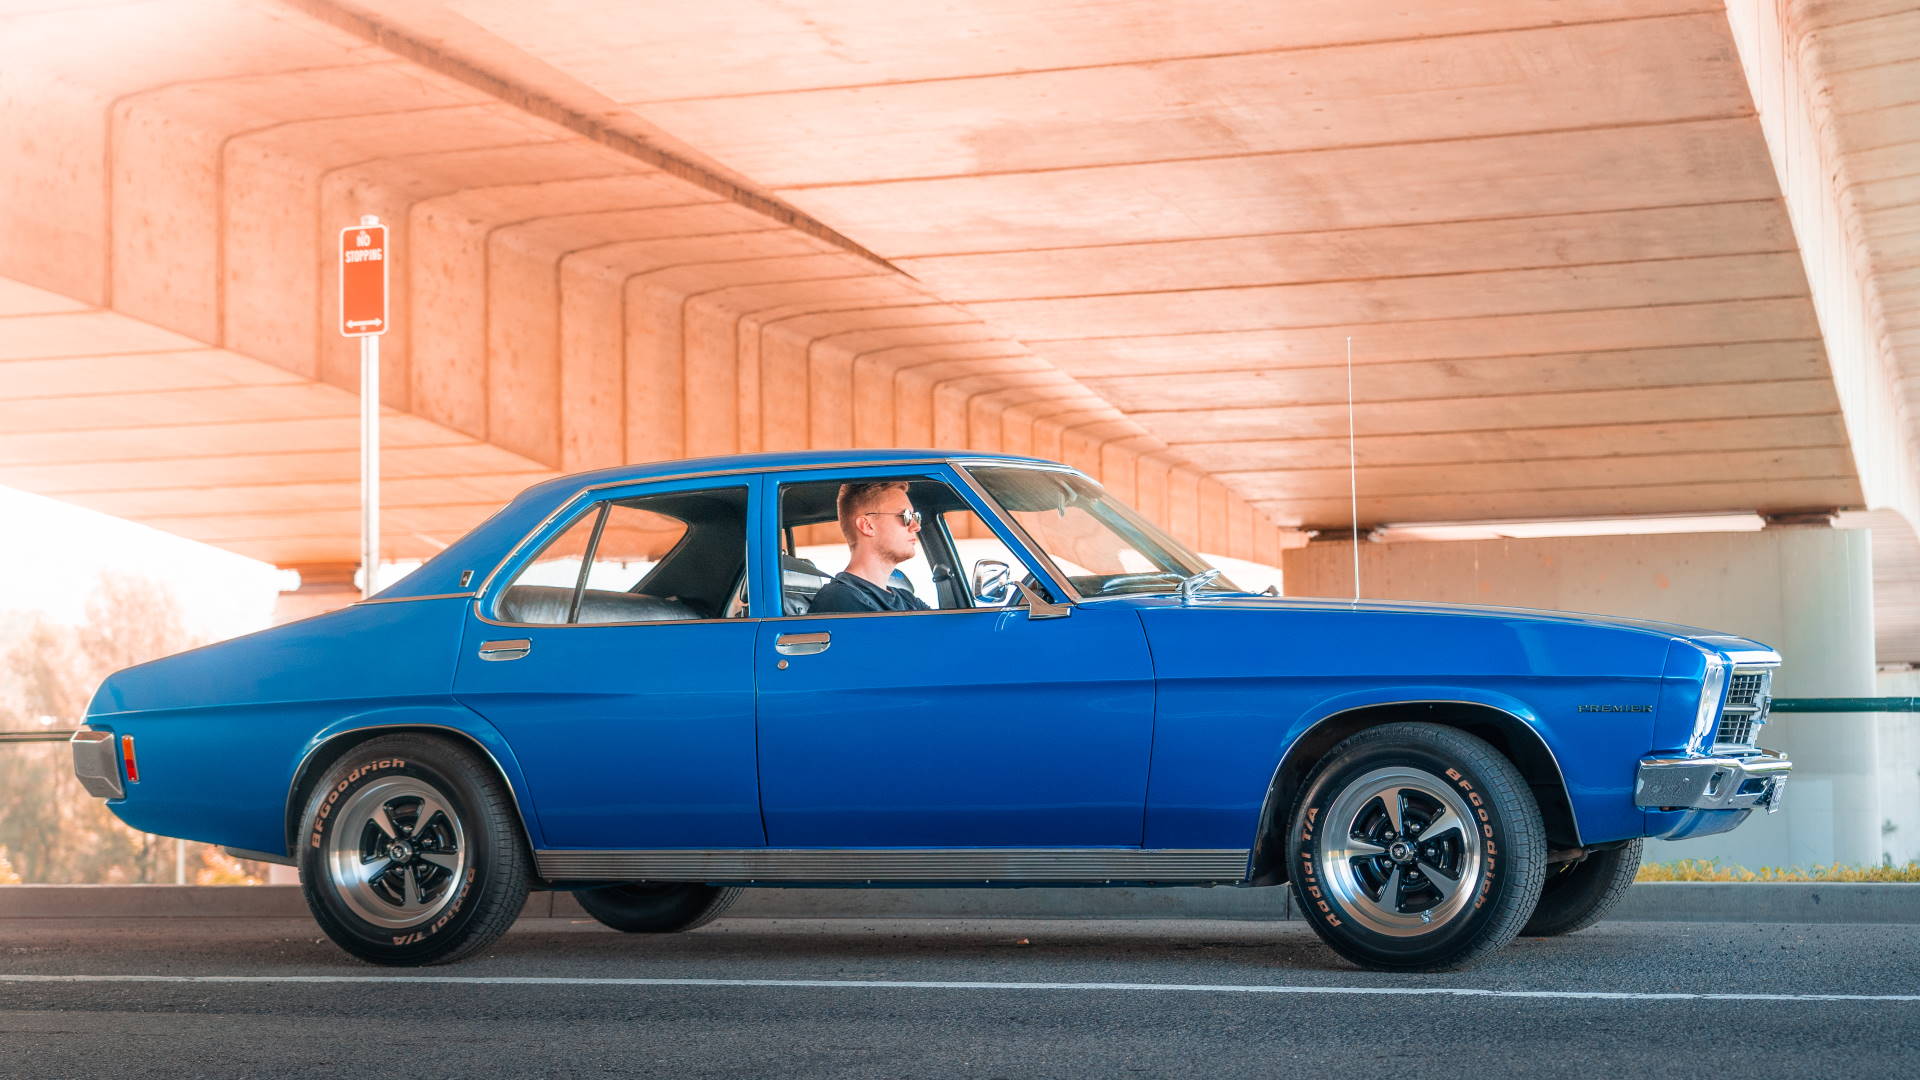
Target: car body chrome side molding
[930, 865]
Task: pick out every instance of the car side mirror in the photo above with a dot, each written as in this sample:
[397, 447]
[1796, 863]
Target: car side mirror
[992, 582]
[1039, 607]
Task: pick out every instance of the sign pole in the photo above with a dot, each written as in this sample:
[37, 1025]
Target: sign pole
[369, 462]
[363, 314]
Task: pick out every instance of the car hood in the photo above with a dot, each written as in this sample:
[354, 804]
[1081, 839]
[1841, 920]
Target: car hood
[1731, 645]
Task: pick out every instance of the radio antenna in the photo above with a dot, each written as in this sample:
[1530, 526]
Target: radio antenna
[1353, 474]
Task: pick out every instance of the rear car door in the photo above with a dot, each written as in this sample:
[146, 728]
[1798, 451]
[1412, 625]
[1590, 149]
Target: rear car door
[614, 654]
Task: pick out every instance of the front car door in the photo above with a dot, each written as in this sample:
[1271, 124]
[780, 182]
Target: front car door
[970, 725]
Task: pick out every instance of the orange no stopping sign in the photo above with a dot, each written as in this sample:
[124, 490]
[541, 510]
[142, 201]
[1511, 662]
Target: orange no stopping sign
[363, 280]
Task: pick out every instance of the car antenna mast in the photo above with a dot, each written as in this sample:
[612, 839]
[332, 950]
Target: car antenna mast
[1353, 475]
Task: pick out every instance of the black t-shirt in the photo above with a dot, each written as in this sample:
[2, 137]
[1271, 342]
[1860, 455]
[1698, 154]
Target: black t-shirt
[852, 593]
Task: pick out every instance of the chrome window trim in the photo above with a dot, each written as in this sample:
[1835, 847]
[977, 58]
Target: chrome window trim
[1266, 804]
[594, 625]
[410, 599]
[480, 597]
[299, 770]
[1155, 532]
[865, 865]
[514, 551]
[1037, 555]
[873, 614]
[1022, 543]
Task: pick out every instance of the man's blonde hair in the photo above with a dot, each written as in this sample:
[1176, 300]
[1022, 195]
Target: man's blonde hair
[857, 499]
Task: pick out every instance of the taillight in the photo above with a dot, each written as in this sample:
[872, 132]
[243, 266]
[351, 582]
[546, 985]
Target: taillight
[126, 753]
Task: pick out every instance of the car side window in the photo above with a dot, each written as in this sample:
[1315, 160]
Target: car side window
[988, 566]
[670, 557]
[813, 547]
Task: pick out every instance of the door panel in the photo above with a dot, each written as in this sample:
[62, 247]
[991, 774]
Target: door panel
[629, 736]
[956, 729]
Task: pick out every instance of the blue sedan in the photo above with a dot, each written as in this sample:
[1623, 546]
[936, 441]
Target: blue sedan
[658, 684]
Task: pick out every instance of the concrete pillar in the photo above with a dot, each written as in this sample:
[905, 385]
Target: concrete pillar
[1899, 778]
[323, 587]
[1805, 590]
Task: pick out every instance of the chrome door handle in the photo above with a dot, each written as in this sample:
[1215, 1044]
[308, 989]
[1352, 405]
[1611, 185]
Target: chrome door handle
[512, 649]
[802, 644]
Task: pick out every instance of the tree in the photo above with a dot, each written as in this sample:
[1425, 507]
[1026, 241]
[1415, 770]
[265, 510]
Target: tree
[51, 830]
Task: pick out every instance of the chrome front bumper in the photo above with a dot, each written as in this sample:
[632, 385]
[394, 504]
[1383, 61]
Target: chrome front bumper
[1722, 782]
[97, 764]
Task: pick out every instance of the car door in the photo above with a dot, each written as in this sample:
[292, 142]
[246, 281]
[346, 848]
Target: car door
[616, 658]
[965, 727]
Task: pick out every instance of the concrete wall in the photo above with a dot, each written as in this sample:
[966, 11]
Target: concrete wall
[1805, 591]
[1899, 771]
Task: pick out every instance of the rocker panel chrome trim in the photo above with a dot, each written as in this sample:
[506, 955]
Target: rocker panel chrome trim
[932, 865]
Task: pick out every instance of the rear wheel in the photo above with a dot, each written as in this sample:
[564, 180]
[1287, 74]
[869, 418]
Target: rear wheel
[412, 852]
[656, 909]
[1415, 847]
[1579, 894]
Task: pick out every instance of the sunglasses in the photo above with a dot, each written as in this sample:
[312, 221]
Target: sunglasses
[910, 519]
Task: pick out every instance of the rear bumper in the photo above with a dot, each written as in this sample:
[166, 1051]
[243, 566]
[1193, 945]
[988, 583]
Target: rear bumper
[97, 764]
[1724, 782]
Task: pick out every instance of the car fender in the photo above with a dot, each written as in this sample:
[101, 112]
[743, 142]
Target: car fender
[1292, 766]
[449, 716]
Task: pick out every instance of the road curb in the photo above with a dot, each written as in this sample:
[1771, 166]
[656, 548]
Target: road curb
[1785, 902]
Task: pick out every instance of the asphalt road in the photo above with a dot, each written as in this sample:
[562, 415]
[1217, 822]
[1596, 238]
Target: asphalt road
[910, 998]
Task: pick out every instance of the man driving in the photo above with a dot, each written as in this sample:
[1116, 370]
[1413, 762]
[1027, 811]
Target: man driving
[883, 530]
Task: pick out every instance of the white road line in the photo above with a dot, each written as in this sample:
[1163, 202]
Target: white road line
[898, 984]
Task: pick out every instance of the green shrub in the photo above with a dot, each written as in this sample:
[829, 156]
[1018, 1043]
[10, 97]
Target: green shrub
[1715, 870]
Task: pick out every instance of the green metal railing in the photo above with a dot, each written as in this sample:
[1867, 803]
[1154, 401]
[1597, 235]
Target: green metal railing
[1846, 704]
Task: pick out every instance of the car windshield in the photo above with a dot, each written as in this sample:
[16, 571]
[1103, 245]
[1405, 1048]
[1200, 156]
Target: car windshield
[1101, 545]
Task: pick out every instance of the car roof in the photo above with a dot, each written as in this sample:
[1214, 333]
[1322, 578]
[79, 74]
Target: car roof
[480, 549]
[566, 486]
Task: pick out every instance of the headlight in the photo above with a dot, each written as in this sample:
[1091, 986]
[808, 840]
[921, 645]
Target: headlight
[1711, 689]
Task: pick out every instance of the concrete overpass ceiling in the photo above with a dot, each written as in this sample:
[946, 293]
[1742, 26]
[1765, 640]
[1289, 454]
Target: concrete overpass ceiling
[573, 292]
[1552, 229]
[1130, 234]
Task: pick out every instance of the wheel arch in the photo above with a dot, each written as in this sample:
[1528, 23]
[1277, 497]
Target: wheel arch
[336, 741]
[1504, 728]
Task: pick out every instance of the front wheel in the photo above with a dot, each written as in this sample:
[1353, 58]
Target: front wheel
[1415, 847]
[411, 852]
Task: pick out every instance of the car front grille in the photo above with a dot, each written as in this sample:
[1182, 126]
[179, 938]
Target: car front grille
[1746, 689]
[1749, 698]
[1736, 729]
